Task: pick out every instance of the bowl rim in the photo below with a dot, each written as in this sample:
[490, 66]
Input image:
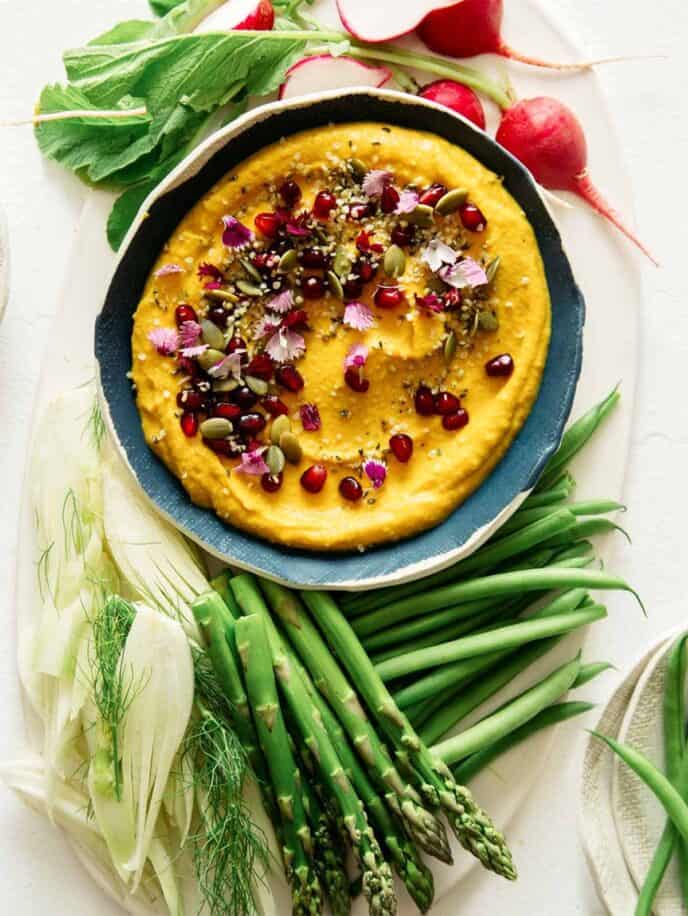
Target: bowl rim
[406, 571]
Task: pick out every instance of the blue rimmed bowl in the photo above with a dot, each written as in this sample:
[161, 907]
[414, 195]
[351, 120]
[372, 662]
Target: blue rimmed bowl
[508, 484]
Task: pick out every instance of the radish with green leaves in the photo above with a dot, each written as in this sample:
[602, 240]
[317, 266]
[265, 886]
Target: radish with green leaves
[375, 22]
[323, 71]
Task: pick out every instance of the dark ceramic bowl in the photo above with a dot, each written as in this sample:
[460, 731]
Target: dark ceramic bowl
[508, 484]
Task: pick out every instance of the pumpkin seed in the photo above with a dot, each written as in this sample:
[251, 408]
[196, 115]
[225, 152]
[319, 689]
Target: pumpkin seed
[451, 201]
[487, 320]
[357, 168]
[341, 264]
[223, 294]
[250, 269]
[281, 424]
[335, 285]
[257, 385]
[274, 458]
[288, 261]
[225, 384]
[209, 358]
[492, 268]
[212, 335]
[249, 289]
[421, 216]
[394, 261]
[450, 347]
[291, 447]
[216, 428]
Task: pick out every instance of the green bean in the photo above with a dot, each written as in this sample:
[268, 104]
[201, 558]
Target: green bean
[655, 780]
[509, 717]
[590, 507]
[559, 491]
[452, 712]
[587, 529]
[590, 671]
[558, 712]
[500, 584]
[575, 437]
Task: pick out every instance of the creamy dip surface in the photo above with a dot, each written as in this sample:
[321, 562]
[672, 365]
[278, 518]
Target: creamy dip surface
[367, 332]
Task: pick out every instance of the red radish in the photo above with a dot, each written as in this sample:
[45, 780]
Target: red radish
[382, 20]
[474, 27]
[458, 97]
[243, 15]
[548, 139]
[313, 74]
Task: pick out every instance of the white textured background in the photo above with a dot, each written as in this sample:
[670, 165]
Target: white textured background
[648, 103]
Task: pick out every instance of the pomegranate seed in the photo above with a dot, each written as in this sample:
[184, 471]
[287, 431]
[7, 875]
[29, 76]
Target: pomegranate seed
[389, 199]
[350, 489]
[261, 366]
[424, 401]
[244, 397]
[355, 379]
[221, 447]
[252, 423]
[403, 235]
[446, 403]
[296, 320]
[190, 399]
[189, 366]
[323, 204]
[235, 343]
[352, 287]
[228, 411]
[455, 420]
[313, 478]
[402, 447]
[271, 482]
[452, 299]
[189, 423]
[312, 287]
[500, 366]
[268, 224]
[185, 313]
[365, 270]
[218, 315]
[289, 377]
[313, 258]
[430, 196]
[360, 211]
[274, 406]
[263, 260]
[472, 218]
[290, 193]
[388, 297]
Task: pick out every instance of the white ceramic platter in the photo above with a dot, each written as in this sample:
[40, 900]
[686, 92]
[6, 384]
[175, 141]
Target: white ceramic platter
[4, 263]
[608, 274]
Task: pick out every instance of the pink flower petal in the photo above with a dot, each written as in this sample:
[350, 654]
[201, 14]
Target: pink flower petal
[213, 284]
[253, 463]
[283, 302]
[267, 325]
[356, 357]
[358, 315]
[192, 352]
[436, 253]
[464, 273]
[235, 234]
[376, 471]
[310, 417]
[408, 201]
[230, 365]
[206, 269]
[374, 182]
[431, 302]
[165, 340]
[285, 346]
[297, 231]
[168, 269]
[189, 333]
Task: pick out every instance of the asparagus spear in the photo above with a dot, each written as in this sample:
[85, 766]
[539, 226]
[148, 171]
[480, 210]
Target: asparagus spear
[378, 884]
[328, 853]
[252, 645]
[328, 677]
[471, 825]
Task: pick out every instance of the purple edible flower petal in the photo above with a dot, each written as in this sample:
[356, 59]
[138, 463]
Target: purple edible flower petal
[206, 269]
[408, 201]
[268, 324]
[296, 230]
[310, 417]
[213, 284]
[230, 365]
[358, 315]
[235, 234]
[464, 273]
[436, 254]
[376, 471]
[253, 463]
[165, 340]
[168, 269]
[374, 182]
[189, 333]
[431, 302]
[356, 357]
[283, 302]
[285, 346]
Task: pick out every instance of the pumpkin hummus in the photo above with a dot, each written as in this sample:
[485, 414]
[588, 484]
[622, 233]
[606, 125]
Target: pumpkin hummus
[342, 338]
